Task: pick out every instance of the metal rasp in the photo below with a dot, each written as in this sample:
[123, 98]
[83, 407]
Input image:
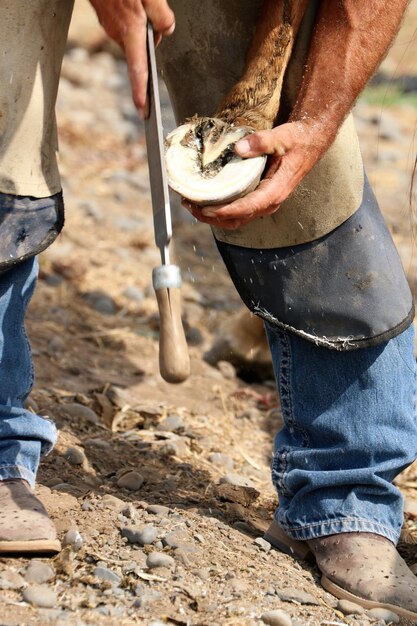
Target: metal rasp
[174, 361]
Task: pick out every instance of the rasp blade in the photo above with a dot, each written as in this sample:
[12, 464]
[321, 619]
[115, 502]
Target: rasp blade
[156, 156]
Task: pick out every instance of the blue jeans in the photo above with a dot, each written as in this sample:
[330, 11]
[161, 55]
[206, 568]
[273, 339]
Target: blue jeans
[24, 436]
[349, 428]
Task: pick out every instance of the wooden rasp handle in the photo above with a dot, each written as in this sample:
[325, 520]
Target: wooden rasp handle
[174, 361]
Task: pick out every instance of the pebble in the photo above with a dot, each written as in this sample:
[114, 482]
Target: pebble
[350, 608]
[176, 447]
[80, 411]
[98, 443]
[134, 293]
[263, 544]
[238, 588]
[57, 344]
[104, 573]
[39, 572]
[101, 302]
[222, 460]
[175, 539]
[73, 538]
[201, 573]
[299, 596]
[227, 370]
[410, 507]
[11, 580]
[388, 616]
[276, 618]
[237, 480]
[111, 502]
[41, 596]
[251, 414]
[171, 423]
[91, 209]
[158, 509]
[129, 511]
[143, 535]
[131, 480]
[188, 555]
[145, 596]
[160, 559]
[75, 456]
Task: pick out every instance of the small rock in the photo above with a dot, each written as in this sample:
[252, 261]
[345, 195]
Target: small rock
[298, 596]
[158, 509]
[188, 555]
[410, 507]
[146, 596]
[101, 302]
[171, 423]
[238, 588]
[129, 511]
[227, 370]
[202, 573]
[264, 545]
[251, 414]
[75, 456]
[276, 618]
[142, 535]
[160, 559]
[222, 460]
[57, 344]
[350, 608]
[129, 567]
[134, 293]
[236, 480]
[11, 580]
[39, 572]
[111, 502]
[41, 596]
[73, 538]
[107, 574]
[131, 480]
[98, 443]
[91, 209]
[175, 539]
[80, 411]
[176, 447]
[388, 616]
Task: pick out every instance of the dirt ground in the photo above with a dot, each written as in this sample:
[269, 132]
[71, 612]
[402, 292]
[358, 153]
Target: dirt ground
[182, 469]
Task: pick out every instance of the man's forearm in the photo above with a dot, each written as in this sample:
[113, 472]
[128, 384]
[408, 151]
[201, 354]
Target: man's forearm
[350, 40]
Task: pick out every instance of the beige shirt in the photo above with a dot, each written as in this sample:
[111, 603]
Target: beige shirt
[33, 35]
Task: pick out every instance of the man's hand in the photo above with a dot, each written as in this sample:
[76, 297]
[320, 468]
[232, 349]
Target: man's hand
[125, 22]
[294, 149]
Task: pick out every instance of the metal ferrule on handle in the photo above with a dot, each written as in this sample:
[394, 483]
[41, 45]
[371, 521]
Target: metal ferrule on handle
[166, 276]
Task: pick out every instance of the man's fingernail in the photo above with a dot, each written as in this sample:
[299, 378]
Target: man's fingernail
[243, 147]
[208, 213]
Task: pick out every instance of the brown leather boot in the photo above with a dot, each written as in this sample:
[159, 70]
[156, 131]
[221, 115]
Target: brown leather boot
[24, 522]
[362, 567]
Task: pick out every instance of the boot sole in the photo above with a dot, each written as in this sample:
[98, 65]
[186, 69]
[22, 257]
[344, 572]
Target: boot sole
[301, 550]
[342, 594]
[31, 547]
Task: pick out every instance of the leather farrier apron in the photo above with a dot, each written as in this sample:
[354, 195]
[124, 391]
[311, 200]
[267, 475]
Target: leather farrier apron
[32, 44]
[324, 265]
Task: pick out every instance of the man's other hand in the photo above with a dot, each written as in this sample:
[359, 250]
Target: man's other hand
[125, 22]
